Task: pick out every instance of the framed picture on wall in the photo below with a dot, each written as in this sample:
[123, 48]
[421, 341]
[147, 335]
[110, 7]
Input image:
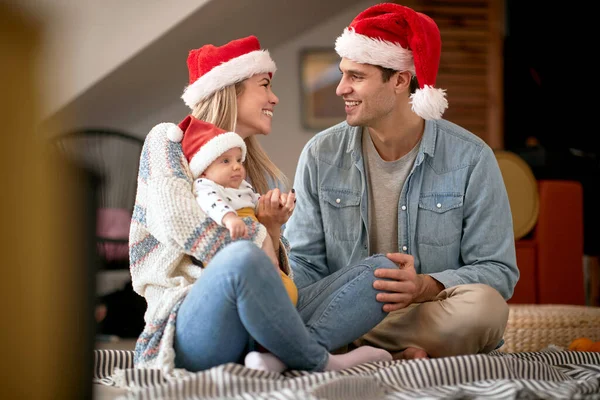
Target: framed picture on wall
[319, 77]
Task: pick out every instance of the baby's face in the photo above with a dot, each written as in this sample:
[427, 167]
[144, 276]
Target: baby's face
[227, 170]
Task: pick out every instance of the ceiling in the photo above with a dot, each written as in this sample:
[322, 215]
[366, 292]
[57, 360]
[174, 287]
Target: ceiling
[150, 80]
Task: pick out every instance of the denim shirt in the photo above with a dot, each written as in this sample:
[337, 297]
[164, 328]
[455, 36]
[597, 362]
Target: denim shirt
[454, 216]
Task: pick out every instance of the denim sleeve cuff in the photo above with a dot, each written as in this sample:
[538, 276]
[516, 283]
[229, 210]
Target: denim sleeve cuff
[448, 278]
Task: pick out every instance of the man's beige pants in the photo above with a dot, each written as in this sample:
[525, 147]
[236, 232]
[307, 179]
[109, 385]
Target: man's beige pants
[465, 319]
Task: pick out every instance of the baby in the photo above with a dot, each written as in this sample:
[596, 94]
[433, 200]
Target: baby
[216, 160]
[225, 196]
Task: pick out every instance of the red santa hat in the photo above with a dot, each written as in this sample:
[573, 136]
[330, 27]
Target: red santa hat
[212, 68]
[399, 38]
[202, 142]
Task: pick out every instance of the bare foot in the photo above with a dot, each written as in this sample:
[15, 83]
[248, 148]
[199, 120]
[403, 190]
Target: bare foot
[363, 354]
[410, 353]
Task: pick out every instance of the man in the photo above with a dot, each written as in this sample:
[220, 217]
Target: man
[396, 179]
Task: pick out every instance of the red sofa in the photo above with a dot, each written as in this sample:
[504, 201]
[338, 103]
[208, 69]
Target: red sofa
[550, 258]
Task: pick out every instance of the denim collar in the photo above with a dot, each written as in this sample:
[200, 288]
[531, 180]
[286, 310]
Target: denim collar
[429, 138]
[427, 142]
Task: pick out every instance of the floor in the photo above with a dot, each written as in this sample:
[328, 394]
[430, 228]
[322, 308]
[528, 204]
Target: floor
[102, 392]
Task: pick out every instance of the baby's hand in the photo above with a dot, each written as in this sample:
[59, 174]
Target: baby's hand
[237, 227]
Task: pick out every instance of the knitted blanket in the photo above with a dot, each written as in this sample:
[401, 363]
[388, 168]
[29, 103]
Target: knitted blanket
[168, 228]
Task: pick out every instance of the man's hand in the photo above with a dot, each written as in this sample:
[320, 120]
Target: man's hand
[405, 286]
[237, 227]
[402, 284]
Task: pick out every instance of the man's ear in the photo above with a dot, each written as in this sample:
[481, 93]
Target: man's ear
[402, 81]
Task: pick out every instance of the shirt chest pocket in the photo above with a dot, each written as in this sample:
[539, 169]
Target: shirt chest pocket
[439, 221]
[341, 213]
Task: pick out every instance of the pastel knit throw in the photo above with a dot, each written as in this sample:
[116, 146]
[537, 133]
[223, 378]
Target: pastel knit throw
[168, 228]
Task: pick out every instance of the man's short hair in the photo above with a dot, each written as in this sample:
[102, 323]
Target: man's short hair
[386, 75]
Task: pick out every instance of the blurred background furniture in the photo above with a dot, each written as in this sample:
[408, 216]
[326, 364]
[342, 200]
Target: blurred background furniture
[551, 257]
[548, 228]
[534, 327]
[114, 157]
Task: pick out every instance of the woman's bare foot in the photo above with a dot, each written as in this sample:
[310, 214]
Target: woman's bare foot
[410, 353]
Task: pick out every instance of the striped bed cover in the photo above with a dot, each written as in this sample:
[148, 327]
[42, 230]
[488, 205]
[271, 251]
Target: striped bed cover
[552, 374]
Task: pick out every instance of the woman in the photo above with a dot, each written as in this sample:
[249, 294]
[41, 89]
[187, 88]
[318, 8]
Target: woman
[199, 317]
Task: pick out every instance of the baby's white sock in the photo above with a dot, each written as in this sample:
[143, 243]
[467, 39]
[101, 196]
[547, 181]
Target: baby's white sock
[264, 362]
[355, 357]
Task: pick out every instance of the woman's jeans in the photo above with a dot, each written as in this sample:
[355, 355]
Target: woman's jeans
[240, 297]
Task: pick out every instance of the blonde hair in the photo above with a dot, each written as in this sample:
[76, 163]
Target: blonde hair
[220, 109]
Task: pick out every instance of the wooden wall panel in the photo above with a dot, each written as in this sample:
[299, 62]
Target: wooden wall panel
[471, 64]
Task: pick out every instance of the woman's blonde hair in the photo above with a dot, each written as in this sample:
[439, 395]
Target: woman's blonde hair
[220, 109]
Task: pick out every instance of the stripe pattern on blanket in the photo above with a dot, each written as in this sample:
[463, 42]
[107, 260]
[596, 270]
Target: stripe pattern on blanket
[544, 374]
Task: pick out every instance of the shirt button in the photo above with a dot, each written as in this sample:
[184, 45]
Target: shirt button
[439, 205]
[403, 208]
[404, 248]
[337, 201]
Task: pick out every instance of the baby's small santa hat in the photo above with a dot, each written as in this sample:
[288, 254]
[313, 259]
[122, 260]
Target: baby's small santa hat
[202, 142]
[399, 38]
[213, 68]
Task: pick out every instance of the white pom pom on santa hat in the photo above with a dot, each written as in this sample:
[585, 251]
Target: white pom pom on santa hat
[429, 102]
[175, 134]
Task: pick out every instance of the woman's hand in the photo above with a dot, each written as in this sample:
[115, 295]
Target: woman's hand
[275, 208]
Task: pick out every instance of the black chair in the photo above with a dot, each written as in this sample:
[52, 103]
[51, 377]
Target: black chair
[113, 156]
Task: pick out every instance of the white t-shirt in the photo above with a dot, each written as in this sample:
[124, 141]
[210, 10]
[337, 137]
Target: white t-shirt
[216, 200]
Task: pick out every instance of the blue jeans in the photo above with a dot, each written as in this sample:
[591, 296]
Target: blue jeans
[240, 298]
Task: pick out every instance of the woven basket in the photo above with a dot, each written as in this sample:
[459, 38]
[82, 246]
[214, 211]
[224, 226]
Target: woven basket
[535, 327]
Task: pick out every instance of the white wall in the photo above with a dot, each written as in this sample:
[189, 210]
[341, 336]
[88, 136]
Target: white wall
[285, 142]
[84, 40]
[289, 136]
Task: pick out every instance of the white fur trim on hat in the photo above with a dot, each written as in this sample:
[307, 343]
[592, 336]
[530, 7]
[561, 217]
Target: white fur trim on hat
[429, 102]
[175, 134]
[235, 70]
[366, 50]
[213, 149]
